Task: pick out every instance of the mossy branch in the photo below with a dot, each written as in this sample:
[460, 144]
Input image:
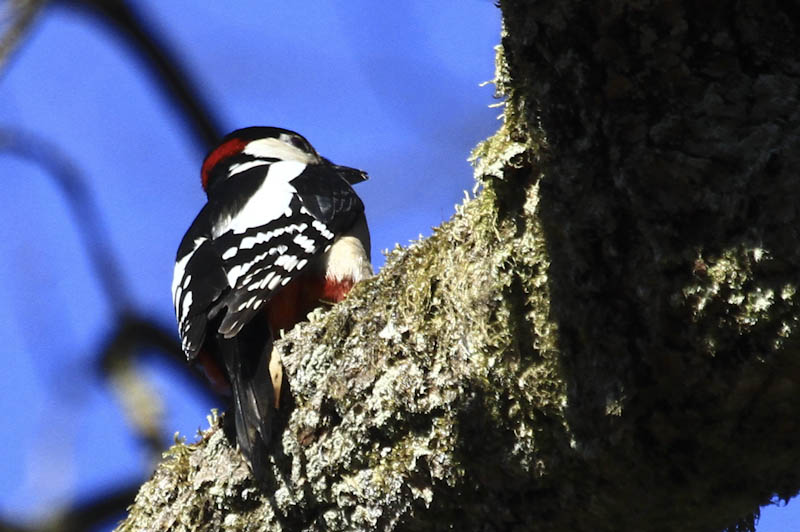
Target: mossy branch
[604, 339]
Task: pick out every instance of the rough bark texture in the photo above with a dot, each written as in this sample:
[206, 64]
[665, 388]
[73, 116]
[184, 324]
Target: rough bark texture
[604, 339]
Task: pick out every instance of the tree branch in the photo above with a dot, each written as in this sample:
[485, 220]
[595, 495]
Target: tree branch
[604, 339]
[158, 58]
[133, 333]
[82, 206]
[16, 18]
[82, 516]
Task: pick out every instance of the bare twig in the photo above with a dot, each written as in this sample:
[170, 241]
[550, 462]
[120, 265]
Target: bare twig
[16, 17]
[133, 334]
[96, 241]
[143, 408]
[161, 62]
[89, 514]
[81, 516]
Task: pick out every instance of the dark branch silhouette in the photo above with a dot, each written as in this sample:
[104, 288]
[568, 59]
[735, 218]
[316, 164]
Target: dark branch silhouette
[87, 217]
[17, 21]
[81, 516]
[160, 61]
[133, 334]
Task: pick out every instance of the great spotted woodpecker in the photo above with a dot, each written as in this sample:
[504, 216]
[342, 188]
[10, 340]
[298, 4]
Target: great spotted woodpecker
[282, 232]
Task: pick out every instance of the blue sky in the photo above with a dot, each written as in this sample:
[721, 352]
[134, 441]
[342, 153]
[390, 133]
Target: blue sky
[392, 90]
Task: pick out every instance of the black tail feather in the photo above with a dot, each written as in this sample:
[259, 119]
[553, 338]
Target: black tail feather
[251, 387]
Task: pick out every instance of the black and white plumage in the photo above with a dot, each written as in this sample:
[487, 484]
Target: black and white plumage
[277, 214]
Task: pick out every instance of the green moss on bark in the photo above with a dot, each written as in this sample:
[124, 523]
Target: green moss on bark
[603, 339]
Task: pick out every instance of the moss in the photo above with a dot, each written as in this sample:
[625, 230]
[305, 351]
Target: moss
[383, 428]
[611, 318]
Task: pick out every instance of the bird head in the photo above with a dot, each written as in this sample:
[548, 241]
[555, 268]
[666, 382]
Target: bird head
[258, 146]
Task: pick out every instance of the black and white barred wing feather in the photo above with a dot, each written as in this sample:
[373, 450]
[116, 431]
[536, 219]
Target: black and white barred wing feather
[231, 262]
[198, 281]
[264, 259]
[238, 272]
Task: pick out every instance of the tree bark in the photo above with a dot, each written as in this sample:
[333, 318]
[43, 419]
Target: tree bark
[604, 339]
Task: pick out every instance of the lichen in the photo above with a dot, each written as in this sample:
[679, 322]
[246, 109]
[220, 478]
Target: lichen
[611, 318]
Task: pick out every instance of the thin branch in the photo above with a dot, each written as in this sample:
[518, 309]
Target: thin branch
[15, 24]
[7, 526]
[84, 210]
[133, 334]
[161, 62]
[81, 516]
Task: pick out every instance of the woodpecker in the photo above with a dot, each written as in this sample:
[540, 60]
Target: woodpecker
[282, 233]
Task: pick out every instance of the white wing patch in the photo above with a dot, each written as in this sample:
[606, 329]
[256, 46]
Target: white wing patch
[288, 262]
[269, 202]
[180, 281]
[273, 282]
[263, 284]
[187, 303]
[234, 273]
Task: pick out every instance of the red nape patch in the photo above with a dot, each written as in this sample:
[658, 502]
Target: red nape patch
[223, 151]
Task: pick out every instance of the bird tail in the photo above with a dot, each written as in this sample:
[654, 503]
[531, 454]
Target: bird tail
[251, 387]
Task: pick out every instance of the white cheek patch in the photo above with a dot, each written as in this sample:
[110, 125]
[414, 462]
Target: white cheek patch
[273, 148]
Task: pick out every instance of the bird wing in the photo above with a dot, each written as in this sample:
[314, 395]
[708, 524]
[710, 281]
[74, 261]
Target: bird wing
[252, 240]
